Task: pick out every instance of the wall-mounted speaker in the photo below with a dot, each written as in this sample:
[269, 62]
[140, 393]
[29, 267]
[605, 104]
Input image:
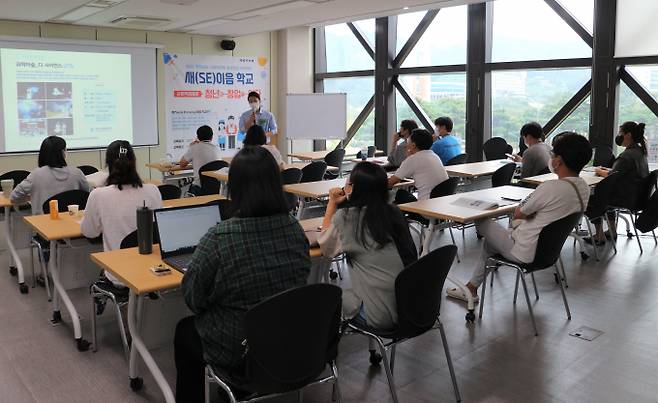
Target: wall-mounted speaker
[227, 44]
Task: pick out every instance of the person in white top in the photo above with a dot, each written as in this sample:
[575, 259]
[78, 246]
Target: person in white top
[112, 210]
[422, 164]
[551, 201]
[256, 137]
[201, 151]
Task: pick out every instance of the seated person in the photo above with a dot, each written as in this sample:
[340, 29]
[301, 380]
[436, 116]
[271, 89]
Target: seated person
[261, 251]
[399, 151]
[111, 209]
[631, 165]
[537, 154]
[52, 176]
[422, 164]
[200, 152]
[375, 237]
[446, 146]
[551, 201]
[256, 137]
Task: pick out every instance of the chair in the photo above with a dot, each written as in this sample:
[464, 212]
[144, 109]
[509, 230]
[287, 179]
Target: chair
[225, 208]
[313, 172]
[103, 290]
[88, 169]
[503, 175]
[210, 186]
[603, 156]
[495, 148]
[290, 176]
[417, 293]
[169, 192]
[458, 159]
[64, 199]
[598, 206]
[335, 159]
[18, 175]
[284, 353]
[549, 245]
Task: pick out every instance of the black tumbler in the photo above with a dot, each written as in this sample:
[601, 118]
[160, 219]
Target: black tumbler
[145, 230]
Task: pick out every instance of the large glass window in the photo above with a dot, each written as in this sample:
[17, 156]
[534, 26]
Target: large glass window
[520, 96]
[582, 10]
[636, 28]
[578, 121]
[359, 90]
[367, 28]
[531, 30]
[632, 108]
[344, 52]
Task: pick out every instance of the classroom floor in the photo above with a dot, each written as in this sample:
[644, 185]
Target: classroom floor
[498, 359]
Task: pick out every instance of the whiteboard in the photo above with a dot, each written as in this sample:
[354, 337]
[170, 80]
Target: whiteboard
[316, 116]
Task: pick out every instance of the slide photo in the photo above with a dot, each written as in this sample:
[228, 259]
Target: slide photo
[58, 91]
[30, 91]
[60, 127]
[32, 128]
[59, 109]
[29, 109]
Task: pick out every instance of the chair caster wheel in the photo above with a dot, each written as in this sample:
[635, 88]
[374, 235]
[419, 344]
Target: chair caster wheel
[13, 270]
[584, 256]
[629, 234]
[57, 317]
[470, 317]
[333, 275]
[23, 288]
[82, 344]
[375, 357]
[136, 384]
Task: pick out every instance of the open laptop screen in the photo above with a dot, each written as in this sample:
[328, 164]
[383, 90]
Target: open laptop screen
[181, 228]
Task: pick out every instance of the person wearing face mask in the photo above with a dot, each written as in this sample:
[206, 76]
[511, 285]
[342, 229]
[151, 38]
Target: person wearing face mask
[551, 201]
[537, 155]
[374, 235]
[446, 145]
[257, 115]
[399, 151]
[631, 165]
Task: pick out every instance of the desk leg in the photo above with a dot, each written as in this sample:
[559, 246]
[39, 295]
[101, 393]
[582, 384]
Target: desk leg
[300, 210]
[429, 233]
[13, 254]
[53, 264]
[135, 307]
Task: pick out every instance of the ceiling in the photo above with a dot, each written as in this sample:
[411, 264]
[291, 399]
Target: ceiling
[212, 17]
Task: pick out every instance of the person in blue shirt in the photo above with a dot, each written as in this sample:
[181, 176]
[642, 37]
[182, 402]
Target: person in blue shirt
[446, 146]
[257, 115]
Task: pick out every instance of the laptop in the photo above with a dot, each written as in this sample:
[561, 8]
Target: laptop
[180, 229]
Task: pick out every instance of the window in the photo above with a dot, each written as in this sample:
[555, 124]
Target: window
[344, 52]
[407, 23]
[636, 28]
[531, 30]
[365, 136]
[367, 28]
[582, 10]
[577, 122]
[359, 90]
[520, 96]
[632, 108]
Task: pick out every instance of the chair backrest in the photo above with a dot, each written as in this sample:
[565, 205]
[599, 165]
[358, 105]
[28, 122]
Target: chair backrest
[169, 192]
[17, 175]
[495, 148]
[603, 156]
[445, 188]
[544, 171]
[418, 291]
[130, 240]
[88, 169]
[314, 171]
[503, 175]
[550, 242]
[225, 208]
[335, 158]
[636, 192]
[458, 159]
[602, 192]
[371, 151]
[291, 336]
[647, 187]
[290, 176]
[67, 198]
[210, 186]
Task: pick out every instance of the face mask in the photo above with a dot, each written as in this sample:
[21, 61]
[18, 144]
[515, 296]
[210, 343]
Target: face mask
[254, 106]
[550, 166]
[619, 139]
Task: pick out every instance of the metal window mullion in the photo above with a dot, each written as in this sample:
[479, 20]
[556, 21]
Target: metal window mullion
[362, 39]
[639, 90]
[360, 120]
[411, 43]
[415, 107]
[571, 21]
[567, 109]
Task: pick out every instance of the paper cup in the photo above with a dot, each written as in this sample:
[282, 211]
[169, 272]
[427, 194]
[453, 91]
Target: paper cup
[73, 209]
[7, 187]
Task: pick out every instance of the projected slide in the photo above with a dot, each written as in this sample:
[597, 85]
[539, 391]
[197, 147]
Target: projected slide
[84, 97]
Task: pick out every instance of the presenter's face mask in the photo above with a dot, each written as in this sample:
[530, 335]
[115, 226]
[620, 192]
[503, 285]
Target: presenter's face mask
[254, 105]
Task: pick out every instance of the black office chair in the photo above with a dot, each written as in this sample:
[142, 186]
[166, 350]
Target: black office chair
[283, 353]
[458, 159]
[288, 177]
[417, 293]
[17, 176]
[603, 156]
[169, 192]
[335, 159]
[88, 169]
[65, 199]
[598, 207]
[313, 172]
[503, 175]
[210, 186]
[549, 245]
[495, 148]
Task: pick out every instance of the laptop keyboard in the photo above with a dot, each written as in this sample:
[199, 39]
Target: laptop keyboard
[179, 263]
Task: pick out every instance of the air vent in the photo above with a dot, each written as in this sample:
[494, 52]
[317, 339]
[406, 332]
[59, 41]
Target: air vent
[139, 22]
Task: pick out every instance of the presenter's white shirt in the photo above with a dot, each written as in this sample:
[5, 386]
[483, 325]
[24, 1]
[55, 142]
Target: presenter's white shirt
[426, 169]
[199, 154]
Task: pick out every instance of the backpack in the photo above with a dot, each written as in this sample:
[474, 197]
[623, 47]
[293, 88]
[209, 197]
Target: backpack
[648, 219]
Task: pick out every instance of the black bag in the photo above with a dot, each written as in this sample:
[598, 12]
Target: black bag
[648, 219]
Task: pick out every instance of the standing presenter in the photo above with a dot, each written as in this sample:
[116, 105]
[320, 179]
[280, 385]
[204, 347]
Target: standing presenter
[257, 115]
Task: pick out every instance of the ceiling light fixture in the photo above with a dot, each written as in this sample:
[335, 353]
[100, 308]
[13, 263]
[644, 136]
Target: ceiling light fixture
[269, 10]
[86, 10]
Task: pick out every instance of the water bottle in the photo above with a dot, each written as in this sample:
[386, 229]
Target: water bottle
[145, 230]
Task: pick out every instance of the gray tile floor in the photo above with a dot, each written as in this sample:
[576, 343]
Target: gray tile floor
[497, 359]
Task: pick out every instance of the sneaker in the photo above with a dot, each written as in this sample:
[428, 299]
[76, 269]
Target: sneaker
[457, 293]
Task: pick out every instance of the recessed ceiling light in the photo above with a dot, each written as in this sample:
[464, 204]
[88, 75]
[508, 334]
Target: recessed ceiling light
[405, 8]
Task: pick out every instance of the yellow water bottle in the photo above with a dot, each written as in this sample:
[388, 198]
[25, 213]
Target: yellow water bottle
[54, 209]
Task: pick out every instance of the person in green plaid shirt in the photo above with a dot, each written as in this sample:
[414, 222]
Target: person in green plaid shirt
[259, 252]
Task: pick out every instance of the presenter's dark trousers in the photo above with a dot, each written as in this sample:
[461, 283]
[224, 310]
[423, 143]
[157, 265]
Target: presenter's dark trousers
[190, 366]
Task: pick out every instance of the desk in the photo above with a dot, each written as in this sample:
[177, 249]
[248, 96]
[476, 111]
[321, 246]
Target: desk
[374, 160]
[170, 172]
[476, 169]
[14, 258]
[319, 155]
[590, 177]
[138, 278]
[222, 175]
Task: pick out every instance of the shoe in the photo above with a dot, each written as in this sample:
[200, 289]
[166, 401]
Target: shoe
[588, 240]
[457, 293]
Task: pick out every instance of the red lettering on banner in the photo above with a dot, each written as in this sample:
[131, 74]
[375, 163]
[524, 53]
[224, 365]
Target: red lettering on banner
[188, 94]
